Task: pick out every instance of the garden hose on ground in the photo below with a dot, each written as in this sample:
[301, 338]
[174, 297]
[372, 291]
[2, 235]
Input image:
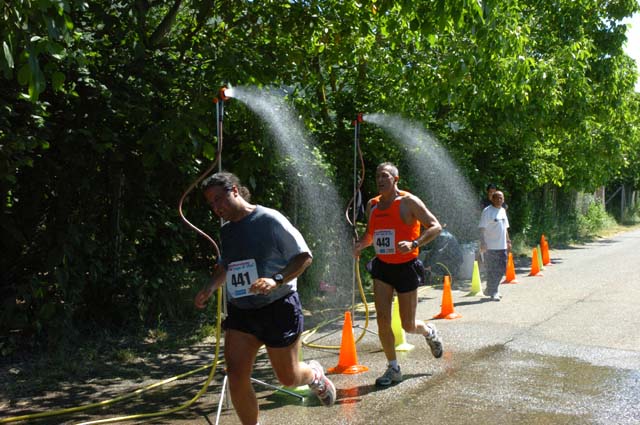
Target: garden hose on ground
[213, 366]
[135, 393]
[190, 402]
[308, 334]
[311, 332]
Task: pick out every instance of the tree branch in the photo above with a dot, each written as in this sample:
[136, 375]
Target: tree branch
[165, 26]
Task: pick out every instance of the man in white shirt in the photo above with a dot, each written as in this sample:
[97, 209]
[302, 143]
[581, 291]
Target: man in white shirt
[494, 243]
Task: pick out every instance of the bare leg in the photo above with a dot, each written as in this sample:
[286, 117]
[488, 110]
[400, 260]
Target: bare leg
[240, 353]
[383, 296]
[408, 302]
[289, 371]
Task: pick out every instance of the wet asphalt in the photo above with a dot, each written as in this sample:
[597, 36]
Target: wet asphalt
[562, 348]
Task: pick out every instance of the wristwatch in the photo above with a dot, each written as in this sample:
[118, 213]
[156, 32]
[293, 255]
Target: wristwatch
[278, 278]
[414, 244]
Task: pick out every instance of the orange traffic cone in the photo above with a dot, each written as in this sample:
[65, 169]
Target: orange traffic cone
[545, 251]
[348, 360]
[510, 275]
[535, 266]
[446, 310]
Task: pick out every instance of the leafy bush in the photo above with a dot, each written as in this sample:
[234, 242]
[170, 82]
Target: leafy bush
[592, 217]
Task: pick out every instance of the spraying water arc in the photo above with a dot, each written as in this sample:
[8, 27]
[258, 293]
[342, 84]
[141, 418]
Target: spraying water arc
[437, 179]
[352, 205]
[310, 197]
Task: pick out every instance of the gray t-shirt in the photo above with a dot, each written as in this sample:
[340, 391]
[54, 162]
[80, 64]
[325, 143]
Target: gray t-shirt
[259, 245]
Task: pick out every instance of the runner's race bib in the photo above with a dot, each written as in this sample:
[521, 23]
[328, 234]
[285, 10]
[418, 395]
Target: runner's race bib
[384, 241]
[240, 276]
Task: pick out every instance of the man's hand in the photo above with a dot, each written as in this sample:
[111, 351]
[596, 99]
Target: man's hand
[263, 285]
[356, 250]
[405, 246]
[202, 297]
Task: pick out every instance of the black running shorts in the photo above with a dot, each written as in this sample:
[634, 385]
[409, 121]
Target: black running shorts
[277, 325]
[404, 277]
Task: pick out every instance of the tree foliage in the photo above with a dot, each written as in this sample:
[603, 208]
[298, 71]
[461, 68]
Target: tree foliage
[107, 116]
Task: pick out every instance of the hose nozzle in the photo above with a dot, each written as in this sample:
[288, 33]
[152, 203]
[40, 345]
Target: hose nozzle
[225, 93]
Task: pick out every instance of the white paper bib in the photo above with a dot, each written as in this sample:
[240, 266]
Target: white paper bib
[240, 276]
[384, 241]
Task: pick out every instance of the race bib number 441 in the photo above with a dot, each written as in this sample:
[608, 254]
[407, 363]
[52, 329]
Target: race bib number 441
[240, 276]
[384, 241]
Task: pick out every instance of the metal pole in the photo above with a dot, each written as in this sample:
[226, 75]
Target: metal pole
[354, 212]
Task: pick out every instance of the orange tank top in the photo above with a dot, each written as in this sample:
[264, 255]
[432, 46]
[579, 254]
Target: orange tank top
[387, 228]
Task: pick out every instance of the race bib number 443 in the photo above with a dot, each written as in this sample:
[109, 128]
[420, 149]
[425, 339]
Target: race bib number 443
[384, 241]
[240, 276]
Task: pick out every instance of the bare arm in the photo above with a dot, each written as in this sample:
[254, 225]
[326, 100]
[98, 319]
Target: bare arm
[418, 211]
[367, 239]
[219, 275]
[295, 267]
[483, 244]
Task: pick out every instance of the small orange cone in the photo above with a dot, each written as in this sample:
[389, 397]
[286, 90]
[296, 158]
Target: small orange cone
[510, 275]
[348, 360]
[446, 310]
[545, 251]
[535, 266]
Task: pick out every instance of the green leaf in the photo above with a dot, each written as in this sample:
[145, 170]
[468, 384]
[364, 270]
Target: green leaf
[57, 80]
[209, 151]
[7, 54]
[24, 75]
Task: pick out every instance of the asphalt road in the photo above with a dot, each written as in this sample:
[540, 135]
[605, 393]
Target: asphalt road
[563, 348]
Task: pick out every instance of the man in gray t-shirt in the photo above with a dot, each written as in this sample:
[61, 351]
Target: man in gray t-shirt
[262, 255]
[269, 239]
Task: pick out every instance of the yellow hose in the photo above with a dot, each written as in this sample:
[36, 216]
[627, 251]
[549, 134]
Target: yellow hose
[326, 322]
[138, 391]
[213, 366]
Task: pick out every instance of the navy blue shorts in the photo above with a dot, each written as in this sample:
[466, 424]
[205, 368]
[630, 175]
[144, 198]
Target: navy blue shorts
[404, 277]
[277, 325]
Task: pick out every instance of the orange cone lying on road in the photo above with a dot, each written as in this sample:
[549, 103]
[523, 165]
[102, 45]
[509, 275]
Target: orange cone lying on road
[535, 266]
[446, 310]
[348, 360]
[510, 275]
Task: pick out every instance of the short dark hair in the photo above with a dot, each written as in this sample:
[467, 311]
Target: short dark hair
[227, 181]
[491, 186]
[391, 167]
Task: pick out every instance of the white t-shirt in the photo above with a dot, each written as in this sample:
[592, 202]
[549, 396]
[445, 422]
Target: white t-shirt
[495, 223]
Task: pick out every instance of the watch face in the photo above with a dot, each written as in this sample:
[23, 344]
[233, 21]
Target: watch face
[278, 278]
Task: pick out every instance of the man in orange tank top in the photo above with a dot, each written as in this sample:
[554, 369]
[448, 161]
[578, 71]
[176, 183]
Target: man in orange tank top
[394, 228]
